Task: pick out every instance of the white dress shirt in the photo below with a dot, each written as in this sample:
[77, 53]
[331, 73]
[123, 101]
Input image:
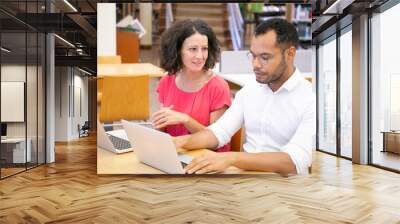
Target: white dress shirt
[280, 121]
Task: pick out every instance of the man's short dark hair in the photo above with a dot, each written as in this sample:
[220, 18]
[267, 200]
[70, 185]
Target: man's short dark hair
[172, 40]
[286, 33]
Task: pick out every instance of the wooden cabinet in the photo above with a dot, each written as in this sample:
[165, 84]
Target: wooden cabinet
[391, 141]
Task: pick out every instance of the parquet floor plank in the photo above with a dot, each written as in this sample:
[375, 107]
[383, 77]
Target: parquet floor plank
[70, 191]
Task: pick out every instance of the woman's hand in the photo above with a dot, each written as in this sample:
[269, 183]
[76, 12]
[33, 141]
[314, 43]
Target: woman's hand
[166, 116]
[180, 141]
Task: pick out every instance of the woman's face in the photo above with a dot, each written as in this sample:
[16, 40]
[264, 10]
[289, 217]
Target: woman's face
[194, 52]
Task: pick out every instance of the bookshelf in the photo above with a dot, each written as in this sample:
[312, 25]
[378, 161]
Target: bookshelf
[301, 18]
[298, 14]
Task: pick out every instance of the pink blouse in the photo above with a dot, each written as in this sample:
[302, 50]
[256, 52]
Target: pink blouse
[214, 95]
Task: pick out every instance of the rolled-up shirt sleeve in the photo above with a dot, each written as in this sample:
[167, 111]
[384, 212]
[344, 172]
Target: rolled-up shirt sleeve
[230, 122]
[300, 146]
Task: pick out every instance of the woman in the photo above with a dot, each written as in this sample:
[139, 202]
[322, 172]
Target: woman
[191, 95]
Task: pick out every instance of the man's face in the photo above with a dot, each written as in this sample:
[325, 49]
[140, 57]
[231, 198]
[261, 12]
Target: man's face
[268, 59]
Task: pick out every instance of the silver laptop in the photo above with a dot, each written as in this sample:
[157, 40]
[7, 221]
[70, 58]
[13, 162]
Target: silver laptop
[115, 141]
[155, 148]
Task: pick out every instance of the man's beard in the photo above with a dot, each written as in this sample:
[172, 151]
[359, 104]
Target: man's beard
[276, 75]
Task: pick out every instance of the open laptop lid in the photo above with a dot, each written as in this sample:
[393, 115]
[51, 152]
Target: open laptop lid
[154, 148]
[104, 142]
[102, 138]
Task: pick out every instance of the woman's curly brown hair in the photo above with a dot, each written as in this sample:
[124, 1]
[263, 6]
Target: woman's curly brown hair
[172, 40]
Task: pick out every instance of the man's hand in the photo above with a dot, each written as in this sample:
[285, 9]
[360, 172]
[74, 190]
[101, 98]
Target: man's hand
[166, 116]
[210, 162]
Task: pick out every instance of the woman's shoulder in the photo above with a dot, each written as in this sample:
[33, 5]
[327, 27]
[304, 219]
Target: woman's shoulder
[167, 79]
[165, 83]
[218, 81]
[168, 76]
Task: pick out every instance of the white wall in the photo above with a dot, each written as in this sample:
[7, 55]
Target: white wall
[71, 93]
[34, 124]
[61, 103]
[17, 73]
[14, 73]
[82, 82]
[80, 110]
[60, 98]
[106, 29]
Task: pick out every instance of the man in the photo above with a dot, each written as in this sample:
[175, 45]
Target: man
[277, 112]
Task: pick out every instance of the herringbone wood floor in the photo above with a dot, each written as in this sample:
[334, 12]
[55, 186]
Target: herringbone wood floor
[70, 191]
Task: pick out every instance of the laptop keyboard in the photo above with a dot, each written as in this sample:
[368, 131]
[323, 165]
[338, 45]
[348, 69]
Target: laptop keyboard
[183, 164]
[119, 143]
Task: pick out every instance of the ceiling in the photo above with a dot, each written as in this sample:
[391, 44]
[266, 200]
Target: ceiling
[72, 20]
[327, 21]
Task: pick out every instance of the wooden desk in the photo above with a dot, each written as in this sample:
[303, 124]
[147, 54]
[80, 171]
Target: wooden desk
[129, 69]
[127, 163]
[115, 59]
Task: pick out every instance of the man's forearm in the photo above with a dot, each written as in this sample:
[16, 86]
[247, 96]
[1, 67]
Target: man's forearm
[278, 162]
[200, 140]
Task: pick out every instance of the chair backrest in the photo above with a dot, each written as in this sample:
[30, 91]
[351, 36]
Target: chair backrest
[86, 126]
[116, 59]
[124, 98]
[128, 46]
[237, 141]
[99, 90]
[308, 78]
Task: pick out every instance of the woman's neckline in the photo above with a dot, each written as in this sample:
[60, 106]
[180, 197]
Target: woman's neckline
[212, 76]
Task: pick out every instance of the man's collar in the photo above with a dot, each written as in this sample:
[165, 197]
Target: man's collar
[292, 81]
